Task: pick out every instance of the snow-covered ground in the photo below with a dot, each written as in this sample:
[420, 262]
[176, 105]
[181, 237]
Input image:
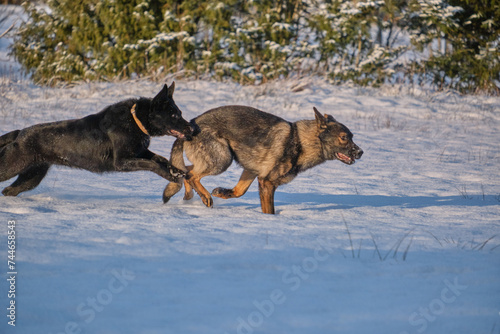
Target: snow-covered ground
[404, 241]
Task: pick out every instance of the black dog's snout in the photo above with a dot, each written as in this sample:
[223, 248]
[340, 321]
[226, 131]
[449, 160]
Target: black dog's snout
[191, 130]
[195, 129]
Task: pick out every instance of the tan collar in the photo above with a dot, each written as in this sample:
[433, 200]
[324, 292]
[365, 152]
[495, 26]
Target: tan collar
[137, 121]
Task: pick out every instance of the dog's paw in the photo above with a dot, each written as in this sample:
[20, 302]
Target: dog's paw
[223, 193]
[209, 203]
[10, 191]
[176, 174]
[188, 195]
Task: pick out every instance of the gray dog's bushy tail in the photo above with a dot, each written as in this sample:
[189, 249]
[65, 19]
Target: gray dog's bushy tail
[177, 160]
[8, 138]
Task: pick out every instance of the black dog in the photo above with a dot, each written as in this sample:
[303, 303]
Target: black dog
[115, 139]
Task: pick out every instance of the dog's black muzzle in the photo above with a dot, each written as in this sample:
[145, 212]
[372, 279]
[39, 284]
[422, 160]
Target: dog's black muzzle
[182, 132]
[356, 152]
[195, 127]
[189, 132]
[350, 156]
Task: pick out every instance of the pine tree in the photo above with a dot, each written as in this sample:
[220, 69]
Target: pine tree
[475, 60]
[266, 43]
[347, 47]
[255, 41]
[86, 39]
[461, 38]
[44, 45]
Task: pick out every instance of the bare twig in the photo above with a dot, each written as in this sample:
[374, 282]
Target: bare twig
[440, 244]
[376, 247]
[407, 249]
[484, 243]
[8, 29]
[349, 234]
[400, 242]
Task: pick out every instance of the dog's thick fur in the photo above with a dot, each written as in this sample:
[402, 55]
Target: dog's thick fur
[266, 146]
[111, 140]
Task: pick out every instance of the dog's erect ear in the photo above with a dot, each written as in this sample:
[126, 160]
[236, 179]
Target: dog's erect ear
[320, 120]
[330, 118]
[162, 95]
[171, 89]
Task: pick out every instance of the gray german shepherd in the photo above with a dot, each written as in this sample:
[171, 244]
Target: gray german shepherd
[266, 146]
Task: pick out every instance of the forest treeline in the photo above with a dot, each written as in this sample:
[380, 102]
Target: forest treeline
[444, 43]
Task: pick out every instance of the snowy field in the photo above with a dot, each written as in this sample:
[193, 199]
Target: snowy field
[404, 241]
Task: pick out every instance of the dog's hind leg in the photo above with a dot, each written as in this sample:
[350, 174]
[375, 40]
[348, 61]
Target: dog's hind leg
[188, 193]
[27, 180]
[206, 167]
[239, 190]
[177, 160]
[210, 156]
[174, 187]
[194, 182]
[8, 138]
[170, 190]
[13, 161]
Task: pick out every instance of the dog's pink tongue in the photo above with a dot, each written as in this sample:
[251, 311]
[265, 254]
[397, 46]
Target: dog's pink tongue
[177, 134]
[344, 157]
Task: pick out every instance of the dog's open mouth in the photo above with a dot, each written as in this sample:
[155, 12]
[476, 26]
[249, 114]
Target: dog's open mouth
[176, 134]
[344, 158]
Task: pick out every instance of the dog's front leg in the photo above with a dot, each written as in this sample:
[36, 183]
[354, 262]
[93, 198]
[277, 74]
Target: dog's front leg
[266, 193]
[163, 162]
[127, 159]
[167, 172]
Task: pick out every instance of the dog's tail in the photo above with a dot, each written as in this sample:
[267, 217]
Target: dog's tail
[177, 160]
[8, 138]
